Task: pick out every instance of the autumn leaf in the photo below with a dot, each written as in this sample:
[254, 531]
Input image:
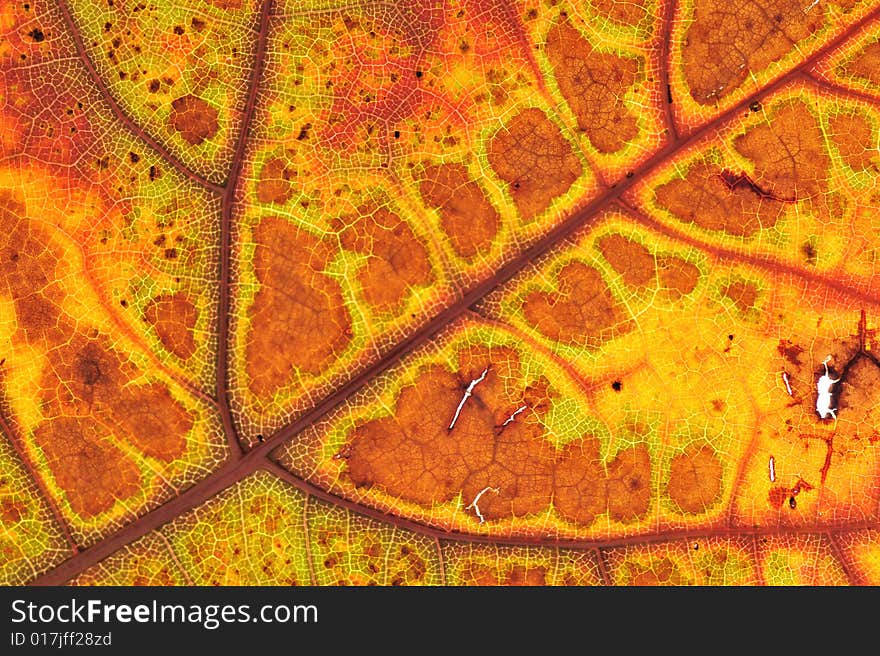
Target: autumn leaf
[439, 292]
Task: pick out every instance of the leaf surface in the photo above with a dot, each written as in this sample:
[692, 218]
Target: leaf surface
[290, 292]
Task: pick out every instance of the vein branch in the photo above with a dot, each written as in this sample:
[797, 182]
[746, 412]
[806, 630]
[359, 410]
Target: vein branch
[120, 114]
[829, 86]
[599, 555]
[26, 463]
[863, 292]
[228, 208]
[851, 576]
[665, 63]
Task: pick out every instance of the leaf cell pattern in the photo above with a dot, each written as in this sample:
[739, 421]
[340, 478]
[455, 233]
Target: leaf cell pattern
[439, 292]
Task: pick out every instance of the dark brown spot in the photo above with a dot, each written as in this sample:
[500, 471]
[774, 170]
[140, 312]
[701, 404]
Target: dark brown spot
[88, 369]
[777, 496]
[809, 252]
[790, 351]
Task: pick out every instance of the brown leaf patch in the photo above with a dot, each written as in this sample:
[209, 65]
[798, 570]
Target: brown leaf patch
[583, 311]
[854, 138]
[866, 64]
[678, 277]
[695, 479]
[580, 492]
[628, 12]
[298, 318]
[273, 185]
[724, 44]
[661, 571]
[704, 197]
[194, 119]
[502, 470]
[594, 85]
[89, 377]
[86, 392]
[466, 215]
[634, 262]
[629, 484]
[173, 316]
[398, 259]
[85, 464]
[742, 294]
[225, 4]
[789, 154]
[537, 162]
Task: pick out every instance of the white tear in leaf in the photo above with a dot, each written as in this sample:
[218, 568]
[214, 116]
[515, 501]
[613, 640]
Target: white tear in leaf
[467, 394]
